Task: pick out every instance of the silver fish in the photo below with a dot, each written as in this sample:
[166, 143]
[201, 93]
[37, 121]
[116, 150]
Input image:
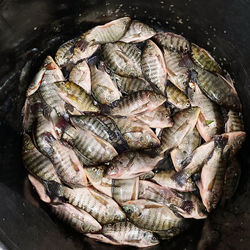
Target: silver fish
[153, 65]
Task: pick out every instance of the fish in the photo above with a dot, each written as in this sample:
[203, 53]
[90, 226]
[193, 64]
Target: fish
[177, 74]
[137, 134]
[212, 175]
[125, 189]
[210, 121]
[131, 164]
[165, 179]
[138, 102]
[128, 85]
[172, 41]
[150, 215]
[103, 208]
[37, 163]
[203, 59]
[80, 75]
[184, 122]
[123, 59]
[48, 73]
[76, 96]
[189, 143]
[96, 178]
[176, 97]
[217, 89]
[157, 118]
[73, 51]
[104, 89]
[78, 219]
[125, 233]
[153, 66]
[147, 176]
[169, 234]
[234, 122]
[103, 127]
[89, 145]
[108, 33]
[137, 32]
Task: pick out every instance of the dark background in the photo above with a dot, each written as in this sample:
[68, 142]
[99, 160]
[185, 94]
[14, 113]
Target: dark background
[30, 30]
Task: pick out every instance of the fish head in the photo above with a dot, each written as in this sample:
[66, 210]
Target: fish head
[131, 210]
[150, 239]
[96, 173]
[119, 215]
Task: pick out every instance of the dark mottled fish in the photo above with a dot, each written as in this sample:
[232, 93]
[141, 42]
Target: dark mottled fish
[234, 122]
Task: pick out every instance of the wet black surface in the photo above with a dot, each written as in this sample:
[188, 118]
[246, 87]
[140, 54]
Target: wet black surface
[30, 30]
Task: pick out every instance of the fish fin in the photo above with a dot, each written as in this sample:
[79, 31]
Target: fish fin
[155, 205]
[98, 197]
[211, 184]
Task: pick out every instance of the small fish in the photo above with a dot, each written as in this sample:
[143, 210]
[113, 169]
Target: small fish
[204, 60]
[165, 179]
[125, 189]
[80, 75]
[103, 208]
[137, 32]
[176, 97]
[76, 218]
[138, 102]
[210, 122]
[157, 118]
[131, 164]
[172, 41]
[36, 163]
[76, 96]
[234, 122]
[89, 145]
[147, 176]
[212, 175]
[104, 89]
[151, 215]
[137, 134]
[184, 122]
[189, 143]
[153, 65]
[125, 233]
[98, 181]
[177, 74]
[128, 85]
[123, 58]
[109, 32]
[102, 126]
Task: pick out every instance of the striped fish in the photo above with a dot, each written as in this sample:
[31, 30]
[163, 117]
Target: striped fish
[153, 65]
[234, 122]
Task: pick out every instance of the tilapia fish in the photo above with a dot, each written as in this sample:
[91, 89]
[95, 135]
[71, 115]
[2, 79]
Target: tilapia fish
[165, 179]
[128, 85]
[125, 190]
[137, 134]
[190, 142]
[36, 163]
[102, 126]
[80, 75]
[131, 164]
[78, 219]
[184, 122]
[203, 59]
[89, 145]
[151, 215]
[234, 122]
[137, 32]
[172, 41]
[123, 58]
[125, 233]
[212, 175]
[153, 65]
[138, 102]
[176, 97]
[76, 96]
[104, 89]
[109, 32]
[103, 208]
[157, 118]
[210, 121]
[48, 73]
[177, 74]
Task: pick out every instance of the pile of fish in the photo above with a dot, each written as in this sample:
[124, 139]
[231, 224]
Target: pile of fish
[129, 132]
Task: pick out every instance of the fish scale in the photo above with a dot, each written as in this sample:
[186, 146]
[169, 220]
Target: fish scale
[234, 122]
